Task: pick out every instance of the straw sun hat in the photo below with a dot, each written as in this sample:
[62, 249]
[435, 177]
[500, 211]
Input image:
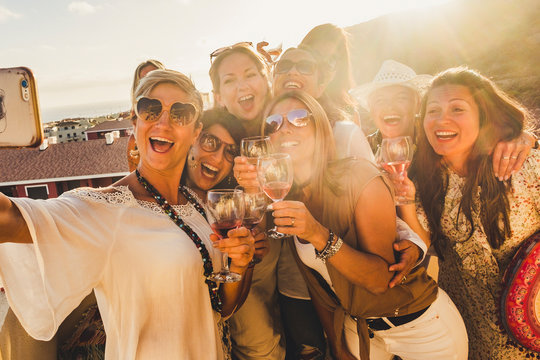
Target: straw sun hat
[391, 73]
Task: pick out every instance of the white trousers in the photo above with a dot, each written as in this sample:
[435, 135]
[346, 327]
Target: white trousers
[439, 333]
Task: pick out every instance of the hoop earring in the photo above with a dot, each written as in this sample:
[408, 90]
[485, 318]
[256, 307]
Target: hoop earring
[192, 164]
[134, 153]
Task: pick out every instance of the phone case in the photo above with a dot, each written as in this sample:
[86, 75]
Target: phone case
[20, 123]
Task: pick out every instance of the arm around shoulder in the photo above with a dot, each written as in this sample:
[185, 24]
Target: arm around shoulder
[375, 223]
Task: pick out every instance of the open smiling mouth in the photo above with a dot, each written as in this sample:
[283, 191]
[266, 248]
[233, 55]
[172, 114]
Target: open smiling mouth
[209, 170]
[246, 101]
[161, 145]
[288, 144]
[392, 119]
[445, 135]
[292, 85]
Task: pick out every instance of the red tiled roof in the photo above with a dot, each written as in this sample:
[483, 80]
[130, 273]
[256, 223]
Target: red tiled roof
[112, 125]
[87, 158]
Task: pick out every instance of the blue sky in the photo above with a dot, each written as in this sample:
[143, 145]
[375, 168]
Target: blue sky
[85, 52]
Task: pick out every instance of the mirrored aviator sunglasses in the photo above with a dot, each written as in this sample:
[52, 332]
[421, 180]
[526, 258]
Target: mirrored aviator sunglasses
[304, 67]
[211, 143]
[298, 118]
[150, 110]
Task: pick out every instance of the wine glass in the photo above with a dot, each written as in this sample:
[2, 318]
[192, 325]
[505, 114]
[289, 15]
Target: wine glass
[226, 208]
[255, 146]
[255, 204]
[395, 156]
[275, 173]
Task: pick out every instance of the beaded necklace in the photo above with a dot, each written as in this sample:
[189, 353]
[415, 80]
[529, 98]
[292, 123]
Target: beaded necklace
[213, 288]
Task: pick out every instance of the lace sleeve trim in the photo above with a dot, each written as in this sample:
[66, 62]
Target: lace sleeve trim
[121, 195]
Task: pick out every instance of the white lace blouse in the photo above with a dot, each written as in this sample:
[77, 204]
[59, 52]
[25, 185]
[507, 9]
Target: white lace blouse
[146, 272]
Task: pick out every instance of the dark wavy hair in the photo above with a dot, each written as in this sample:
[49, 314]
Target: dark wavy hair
[500, 118]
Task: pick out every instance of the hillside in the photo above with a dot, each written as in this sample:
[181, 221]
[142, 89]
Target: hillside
[500, 38]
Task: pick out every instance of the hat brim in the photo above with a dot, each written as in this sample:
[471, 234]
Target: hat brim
[419, 84]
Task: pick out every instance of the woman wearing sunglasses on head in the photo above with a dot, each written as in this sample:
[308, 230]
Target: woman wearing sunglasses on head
[343, 218]
[241, 85]
[143, 244]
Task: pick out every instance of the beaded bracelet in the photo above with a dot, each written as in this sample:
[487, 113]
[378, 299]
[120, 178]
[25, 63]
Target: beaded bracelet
[323, 252]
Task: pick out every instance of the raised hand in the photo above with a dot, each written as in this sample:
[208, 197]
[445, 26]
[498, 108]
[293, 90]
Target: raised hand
[293, 218]
[240, 246]
[245, 173]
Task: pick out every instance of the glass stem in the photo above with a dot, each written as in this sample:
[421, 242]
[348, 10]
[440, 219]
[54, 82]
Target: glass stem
[225, 264]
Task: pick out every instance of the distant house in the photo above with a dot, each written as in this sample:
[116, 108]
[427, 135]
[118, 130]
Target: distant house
[51, 170]
[68, 130]
[123, 125]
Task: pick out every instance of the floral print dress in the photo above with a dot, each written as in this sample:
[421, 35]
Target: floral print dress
[471, 272]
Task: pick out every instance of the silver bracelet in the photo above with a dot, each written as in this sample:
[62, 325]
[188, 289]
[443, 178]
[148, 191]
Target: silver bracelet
[333, 250]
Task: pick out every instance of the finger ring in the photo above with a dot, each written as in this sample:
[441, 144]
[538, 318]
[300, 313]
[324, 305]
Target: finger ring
[513, 157]
[506, 157]
[404, 279]
[292, 221]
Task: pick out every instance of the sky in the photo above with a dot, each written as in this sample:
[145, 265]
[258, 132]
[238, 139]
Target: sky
[83, 53]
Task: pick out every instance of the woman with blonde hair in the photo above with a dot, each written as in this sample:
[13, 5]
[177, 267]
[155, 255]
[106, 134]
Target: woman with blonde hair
[141, 71]
[143, 244]
[241, 84]
[342, 217]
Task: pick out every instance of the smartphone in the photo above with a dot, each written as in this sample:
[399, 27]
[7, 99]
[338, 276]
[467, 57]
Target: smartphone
[20, 123]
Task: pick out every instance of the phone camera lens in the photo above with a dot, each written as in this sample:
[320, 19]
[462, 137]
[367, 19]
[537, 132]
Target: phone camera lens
[24, 84]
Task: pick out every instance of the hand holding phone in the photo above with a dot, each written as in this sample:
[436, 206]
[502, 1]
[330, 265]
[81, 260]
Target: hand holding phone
[20, 123]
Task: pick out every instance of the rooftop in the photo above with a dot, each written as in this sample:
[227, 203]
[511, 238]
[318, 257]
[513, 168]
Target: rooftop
[65, 160]
[112, 125]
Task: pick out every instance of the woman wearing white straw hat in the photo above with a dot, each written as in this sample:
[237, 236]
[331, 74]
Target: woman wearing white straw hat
[393, 100]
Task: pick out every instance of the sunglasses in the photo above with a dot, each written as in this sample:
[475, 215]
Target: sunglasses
[304, 67]
[150, 110]
[220, 51]
[211, 143]
[298, 118]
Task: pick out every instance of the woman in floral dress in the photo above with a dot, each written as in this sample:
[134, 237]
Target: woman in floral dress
[476, 223]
